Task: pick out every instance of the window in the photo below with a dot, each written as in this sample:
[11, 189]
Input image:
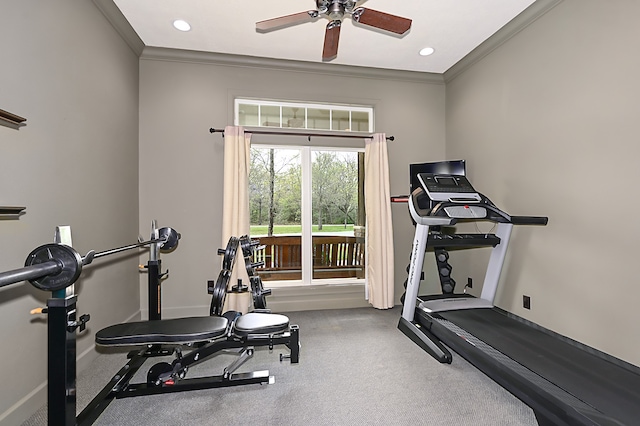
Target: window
[307, 210]
[297, 115]
[307, 202]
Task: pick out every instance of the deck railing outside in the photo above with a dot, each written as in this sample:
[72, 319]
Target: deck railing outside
[334, 256]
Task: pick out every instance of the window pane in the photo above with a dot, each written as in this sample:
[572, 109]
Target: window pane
[248, 115]
[270, 115]
[318, 118]
[337, 251]
[293, 117]
[275, 212]
[359, 121]
[300, 115]
[340, 120]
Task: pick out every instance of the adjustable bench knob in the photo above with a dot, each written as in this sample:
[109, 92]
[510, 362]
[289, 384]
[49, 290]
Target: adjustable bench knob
[284, 356]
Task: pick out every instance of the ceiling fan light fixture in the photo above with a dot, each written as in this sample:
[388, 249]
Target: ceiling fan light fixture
[427, 51]
[336, 11]
[181, 25]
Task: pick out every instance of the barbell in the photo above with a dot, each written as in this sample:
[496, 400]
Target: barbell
[54, 266]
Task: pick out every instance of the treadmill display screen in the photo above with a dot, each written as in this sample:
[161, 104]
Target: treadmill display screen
[446, 181]
[453, 167]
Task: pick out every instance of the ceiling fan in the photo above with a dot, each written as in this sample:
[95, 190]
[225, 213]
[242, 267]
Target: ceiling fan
[335, 11]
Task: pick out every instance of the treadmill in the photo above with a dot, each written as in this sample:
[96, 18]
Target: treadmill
[563, 381]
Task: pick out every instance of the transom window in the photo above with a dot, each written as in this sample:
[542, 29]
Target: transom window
[298, 115]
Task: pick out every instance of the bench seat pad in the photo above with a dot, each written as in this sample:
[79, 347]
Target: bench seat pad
[260, 323]
[168, 331]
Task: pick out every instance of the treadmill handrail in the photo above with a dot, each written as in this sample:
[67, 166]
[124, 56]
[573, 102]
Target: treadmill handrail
[529, 220]
[430, 216]
[422, 217]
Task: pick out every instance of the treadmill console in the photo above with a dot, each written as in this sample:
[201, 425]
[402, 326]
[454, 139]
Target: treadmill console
[445, 187]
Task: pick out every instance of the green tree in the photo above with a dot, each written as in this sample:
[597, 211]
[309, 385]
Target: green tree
[271, 173]
[346, 190]
[258, 185]
[323, 170]
[288, 195]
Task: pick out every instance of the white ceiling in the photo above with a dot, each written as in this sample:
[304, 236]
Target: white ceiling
[452, 27]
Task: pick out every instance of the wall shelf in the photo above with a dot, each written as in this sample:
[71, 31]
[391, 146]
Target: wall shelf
[8, 212]
[13, 121]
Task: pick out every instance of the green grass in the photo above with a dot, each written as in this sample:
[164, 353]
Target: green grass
[297, 229]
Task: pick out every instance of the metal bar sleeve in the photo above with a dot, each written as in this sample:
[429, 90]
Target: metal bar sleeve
[129, 247]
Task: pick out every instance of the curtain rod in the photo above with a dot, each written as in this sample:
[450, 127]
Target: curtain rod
[308, 135]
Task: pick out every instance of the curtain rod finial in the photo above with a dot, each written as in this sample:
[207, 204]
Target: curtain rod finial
[212, 130]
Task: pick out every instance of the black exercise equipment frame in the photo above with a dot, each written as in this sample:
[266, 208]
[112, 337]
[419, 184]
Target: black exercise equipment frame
[46, 271]
[56, 267]
[564, 382]
[120, 386]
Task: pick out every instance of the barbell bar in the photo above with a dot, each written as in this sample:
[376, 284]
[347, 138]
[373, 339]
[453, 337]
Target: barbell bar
[53, 267]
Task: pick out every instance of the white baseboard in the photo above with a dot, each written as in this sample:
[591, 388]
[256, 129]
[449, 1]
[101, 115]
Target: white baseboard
[289, 299]
[30, 403]
[316, 297]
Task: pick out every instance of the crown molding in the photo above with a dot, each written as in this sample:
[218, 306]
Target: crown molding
[520, 22]
[513, 27]
[180, 55]
[120, 24]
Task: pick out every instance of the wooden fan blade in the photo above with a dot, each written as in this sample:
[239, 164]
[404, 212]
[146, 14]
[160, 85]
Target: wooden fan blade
[285, 21]
[331, 39]
[384, 21]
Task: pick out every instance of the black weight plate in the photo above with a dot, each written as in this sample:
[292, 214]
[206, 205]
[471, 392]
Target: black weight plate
[258, 293]
[70, 260]
[251, 267]
[172, 236]
[229, 253]
[248, 245]
[219, 293]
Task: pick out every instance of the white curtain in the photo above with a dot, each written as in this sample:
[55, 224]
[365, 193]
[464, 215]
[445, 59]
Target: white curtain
[235, 207]
[379, 232]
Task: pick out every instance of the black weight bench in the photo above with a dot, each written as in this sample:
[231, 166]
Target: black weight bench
[201, 338]
[185, 331]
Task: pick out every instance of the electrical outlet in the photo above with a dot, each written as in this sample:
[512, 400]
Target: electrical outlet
[526, 302]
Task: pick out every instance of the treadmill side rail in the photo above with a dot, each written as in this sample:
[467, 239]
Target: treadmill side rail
[427, 341]
[453, 304]
[415, 269]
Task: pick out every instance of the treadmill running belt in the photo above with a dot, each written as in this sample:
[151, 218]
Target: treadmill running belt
[605, 385]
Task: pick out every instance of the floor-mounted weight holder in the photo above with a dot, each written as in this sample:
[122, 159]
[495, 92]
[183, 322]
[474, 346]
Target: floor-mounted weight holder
[219, 288]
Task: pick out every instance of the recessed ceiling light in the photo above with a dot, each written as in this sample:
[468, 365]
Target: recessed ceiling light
[181, 25]
[427, 51]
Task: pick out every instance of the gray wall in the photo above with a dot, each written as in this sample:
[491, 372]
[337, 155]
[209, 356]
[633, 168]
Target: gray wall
[183, 94]
[548, 107]
[549, 125]
[67, 71]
